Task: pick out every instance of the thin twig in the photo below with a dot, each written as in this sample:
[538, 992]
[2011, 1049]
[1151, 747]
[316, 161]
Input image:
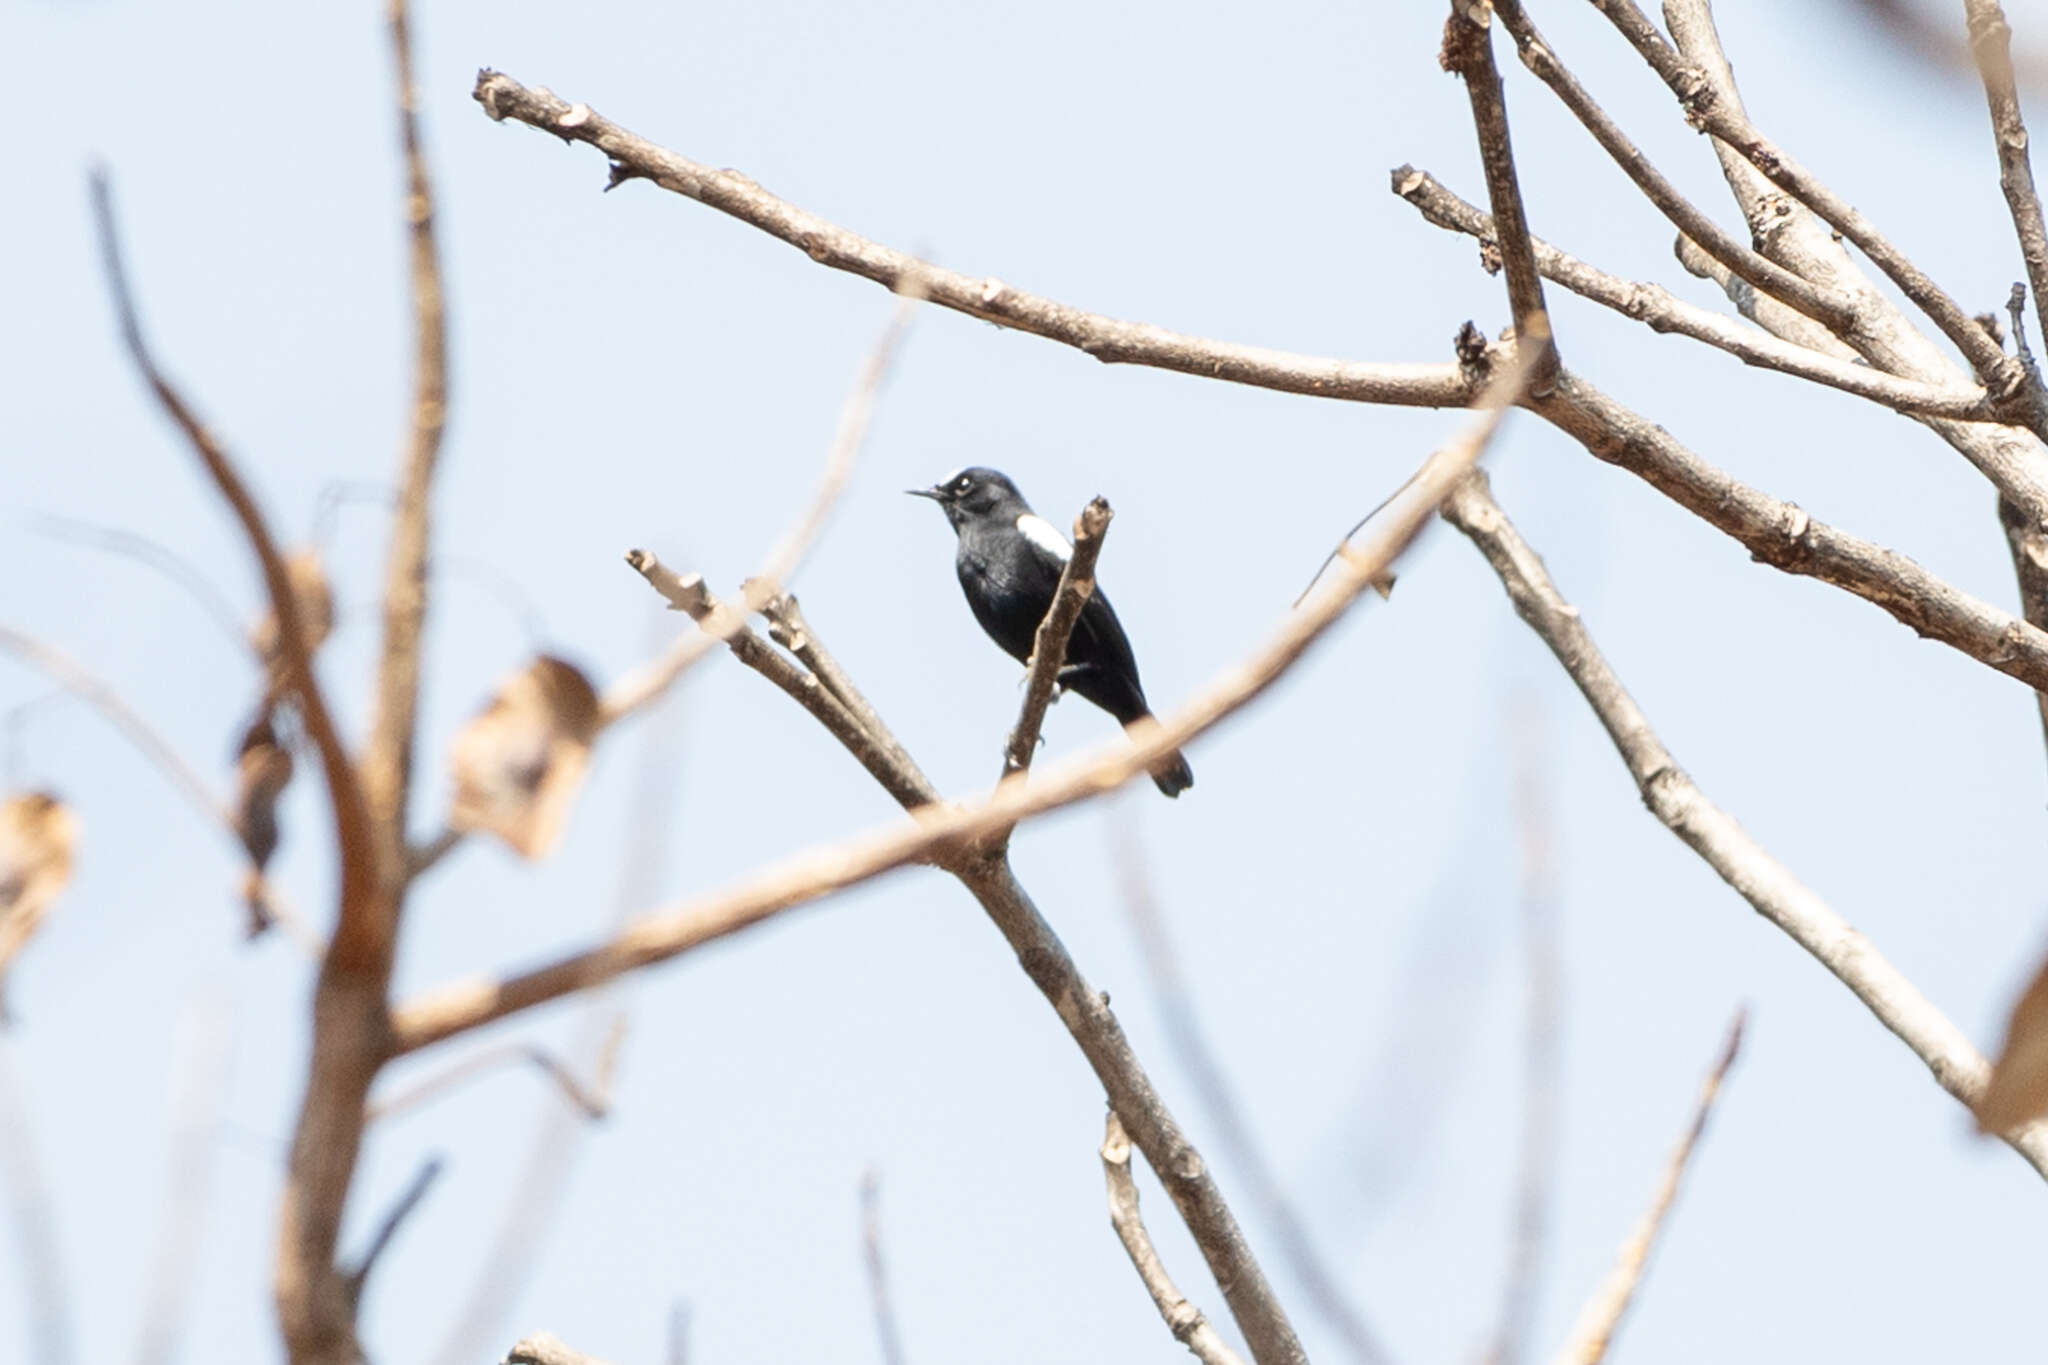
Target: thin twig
[1602, 1316]
[1183, 1319]
[545, 1348]
[1991, 43]
[1468, 52]
[1049, 646]
[1781, 284]
[401, 1209]
[1661, 311]
[887, 1334]
[162, 558]
[1107, 339]
[1712, 833]
[592, 1100]
[78, 682]
[1184, 1035]
[807, 876]
[351, 815]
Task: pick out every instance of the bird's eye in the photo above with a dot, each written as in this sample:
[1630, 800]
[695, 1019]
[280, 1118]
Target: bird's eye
[963, 484]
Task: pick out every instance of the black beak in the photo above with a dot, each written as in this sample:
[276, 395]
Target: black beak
[934, 494]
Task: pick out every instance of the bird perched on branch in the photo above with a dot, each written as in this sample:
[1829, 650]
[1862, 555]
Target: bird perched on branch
[1009, 561]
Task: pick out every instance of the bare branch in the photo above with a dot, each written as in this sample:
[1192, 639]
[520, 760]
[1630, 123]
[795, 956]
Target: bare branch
[2001, 374]
[1662, 312]
[1468, 53]
[162, 558]
[720, 621]
[787, 627]
[1183, 1319]
[1991, 42]
[387, 758]
[1602, 1316]
[1049, 646]
[1784, 536]
[593, 1100]
[422, 1181]
[94, 692]
[1184, 1035]
[886, 1331]
[1107, 339]
[808, 876]
[356, 852]
[1781, 284]
[1712, 833]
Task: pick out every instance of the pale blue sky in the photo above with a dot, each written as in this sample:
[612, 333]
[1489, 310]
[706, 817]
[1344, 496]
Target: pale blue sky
[633, 369]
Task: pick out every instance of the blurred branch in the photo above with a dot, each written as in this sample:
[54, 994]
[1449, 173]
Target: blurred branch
[145, 551]
[594, 1100]
[199, 1098]
[1661, 311]
[1183, 1319]
[887, 1334]
[1541, 1050]
[544, 1348]
[1107, 339]
[1713, 834]
[1212, 1088]
[86, 687]
[1049, 646]
[1468, 53]
[422, 1181]
[45, 1291]
[1603, 1314]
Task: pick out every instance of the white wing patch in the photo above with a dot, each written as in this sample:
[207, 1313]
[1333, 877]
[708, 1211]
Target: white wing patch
[1045, 536]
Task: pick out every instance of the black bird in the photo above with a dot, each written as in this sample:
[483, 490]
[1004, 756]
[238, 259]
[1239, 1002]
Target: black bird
[1009, 562]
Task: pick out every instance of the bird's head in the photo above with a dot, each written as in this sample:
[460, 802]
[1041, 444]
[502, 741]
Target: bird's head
[974, 493]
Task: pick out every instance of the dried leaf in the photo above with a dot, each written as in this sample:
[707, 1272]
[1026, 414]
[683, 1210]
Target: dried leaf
[263, 768]
[36, 836]
[519, 763]
[2019, 1082]
[315, 598]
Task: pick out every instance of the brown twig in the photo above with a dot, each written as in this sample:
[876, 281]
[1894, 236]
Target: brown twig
[887, 1334]
[1107, 339]
[1184, 1035]
[1991, 43]
[1183, 1319]
[1603, 1314]
[1049, 646]
[1658, 309]
[787, 627]
[592, 1100]
[1712, 833]
[1468, 53]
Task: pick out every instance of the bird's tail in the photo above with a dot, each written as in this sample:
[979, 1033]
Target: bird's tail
[1172, 775]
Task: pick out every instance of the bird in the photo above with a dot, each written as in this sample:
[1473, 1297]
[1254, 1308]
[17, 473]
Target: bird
[1009, 561]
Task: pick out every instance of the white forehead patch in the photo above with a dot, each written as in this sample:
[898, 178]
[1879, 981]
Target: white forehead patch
[1045, 536]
